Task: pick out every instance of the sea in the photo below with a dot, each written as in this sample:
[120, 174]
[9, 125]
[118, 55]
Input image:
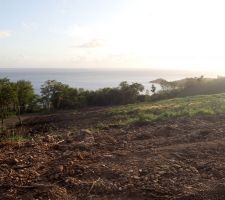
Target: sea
[92, 79]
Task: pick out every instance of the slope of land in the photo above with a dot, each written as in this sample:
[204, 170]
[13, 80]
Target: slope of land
[164, 150]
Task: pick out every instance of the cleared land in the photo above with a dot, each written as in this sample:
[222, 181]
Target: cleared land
[171, 149]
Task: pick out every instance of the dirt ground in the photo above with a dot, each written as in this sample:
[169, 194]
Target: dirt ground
[67, 158]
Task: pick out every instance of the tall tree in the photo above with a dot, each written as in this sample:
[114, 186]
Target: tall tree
[53, 94]
[130, 92]
[7, 98]
[24, 96]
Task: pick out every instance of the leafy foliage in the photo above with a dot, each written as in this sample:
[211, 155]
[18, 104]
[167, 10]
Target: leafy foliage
[56, 95]
[189, 87]
[7, 97]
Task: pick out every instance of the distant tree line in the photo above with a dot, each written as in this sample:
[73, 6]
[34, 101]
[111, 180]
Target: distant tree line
[188, 87]
[19, 97]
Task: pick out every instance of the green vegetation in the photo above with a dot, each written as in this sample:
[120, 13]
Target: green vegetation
[56, 95]
[7, 98]
[24, 95]
[143, 113]
[14, 138]
[18, 98]
[189, 87]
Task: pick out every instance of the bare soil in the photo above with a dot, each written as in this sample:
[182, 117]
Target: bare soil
[68, 158]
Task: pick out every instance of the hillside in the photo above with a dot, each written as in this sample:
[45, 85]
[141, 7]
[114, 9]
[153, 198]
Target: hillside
[188, 87]
[171, 149]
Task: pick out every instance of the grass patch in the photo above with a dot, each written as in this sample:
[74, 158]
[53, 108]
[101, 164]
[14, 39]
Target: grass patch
[14, 138]
[143, 113]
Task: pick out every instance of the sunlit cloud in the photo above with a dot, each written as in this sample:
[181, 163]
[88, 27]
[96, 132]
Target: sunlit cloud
[141, 33]
[86, 33]
[94, 43]
[5, 34]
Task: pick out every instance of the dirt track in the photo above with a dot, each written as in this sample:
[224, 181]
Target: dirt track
[177, 159]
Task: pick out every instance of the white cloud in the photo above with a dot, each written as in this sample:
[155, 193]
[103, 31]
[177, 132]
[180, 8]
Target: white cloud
[5, 34]
[85, 32]
[62, 6]
[94, 43]
[29, 26]
[145, 33]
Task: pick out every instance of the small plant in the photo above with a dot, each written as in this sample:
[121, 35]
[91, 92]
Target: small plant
[101, 126]
[201, 112]
[13, 137]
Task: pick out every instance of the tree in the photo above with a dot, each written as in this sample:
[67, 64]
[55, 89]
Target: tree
[55, 94]
[48, 91]
[24, 96]
[130, 92]
[153, 89]
[35, 105]
[7, 98]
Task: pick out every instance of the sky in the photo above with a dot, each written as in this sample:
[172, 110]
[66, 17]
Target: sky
[152, 34]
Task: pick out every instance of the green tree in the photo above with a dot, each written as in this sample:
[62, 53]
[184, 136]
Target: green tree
[55, 94]
[130, 92]
[36, 104]
[24, 95]
[7, 98]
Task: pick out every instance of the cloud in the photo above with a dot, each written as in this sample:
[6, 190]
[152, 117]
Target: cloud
[5, 34]
[81, 32]
[62, 6]
[29, 26]
[86, 37]
[63, 11]
[94, 43]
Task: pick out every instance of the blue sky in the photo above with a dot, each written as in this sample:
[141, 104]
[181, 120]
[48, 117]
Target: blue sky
[113, 34]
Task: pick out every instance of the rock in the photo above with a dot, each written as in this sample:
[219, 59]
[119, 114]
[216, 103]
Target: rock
[108, 156]
[85, 131]
[176, 165]
[59, 168]
[161, 172]
[136, 177]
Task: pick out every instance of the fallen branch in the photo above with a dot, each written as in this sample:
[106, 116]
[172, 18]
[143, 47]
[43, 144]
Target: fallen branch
[59, 142]
[22, 166]
[37, 185]
[93, 184]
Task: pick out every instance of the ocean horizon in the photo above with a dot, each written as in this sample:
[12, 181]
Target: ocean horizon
[92, 79]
